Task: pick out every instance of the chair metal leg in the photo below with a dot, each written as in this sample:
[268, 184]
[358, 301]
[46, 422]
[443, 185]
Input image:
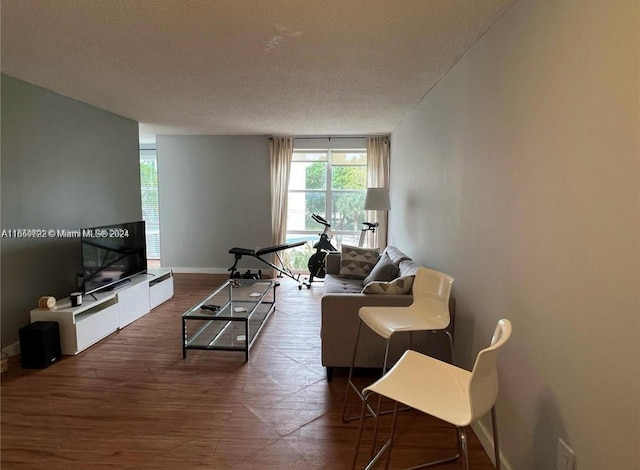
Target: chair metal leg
[350, 383]
[386, 356]
[360, 428]
[393, 432]
[461, 442]
[387, 445]
[448, 333]
[496, 445]
[374, 438]
[377, 412]
[465, 447]
[461, 434]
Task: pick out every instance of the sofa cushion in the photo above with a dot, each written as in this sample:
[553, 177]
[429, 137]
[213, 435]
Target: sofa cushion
[399, 286]
[408, 268]
[356, 262]
[395, 254]
[384, 270]
[339, 285]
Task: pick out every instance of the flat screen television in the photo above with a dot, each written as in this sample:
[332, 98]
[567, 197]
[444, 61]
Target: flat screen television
[111, 254]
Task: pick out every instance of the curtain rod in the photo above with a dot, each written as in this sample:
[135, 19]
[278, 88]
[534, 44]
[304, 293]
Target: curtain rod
[328, 137]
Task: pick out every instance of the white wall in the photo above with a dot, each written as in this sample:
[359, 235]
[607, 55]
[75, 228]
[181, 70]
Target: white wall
[65, 165]
[519, 175]
[331, 143]
[215, 194]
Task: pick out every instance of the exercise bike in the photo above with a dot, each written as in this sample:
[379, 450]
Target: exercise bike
[316, 262]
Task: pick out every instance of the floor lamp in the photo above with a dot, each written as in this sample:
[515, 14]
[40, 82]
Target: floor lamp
[377, 199]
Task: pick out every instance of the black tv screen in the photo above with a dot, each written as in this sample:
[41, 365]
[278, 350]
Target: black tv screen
[112, 254]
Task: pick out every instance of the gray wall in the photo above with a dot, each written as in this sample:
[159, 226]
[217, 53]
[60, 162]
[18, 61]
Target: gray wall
[214, 194]
[519, 174]
[65, 165]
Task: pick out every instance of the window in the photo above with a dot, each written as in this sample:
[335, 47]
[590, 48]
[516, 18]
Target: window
[332, 184]
[149, 194]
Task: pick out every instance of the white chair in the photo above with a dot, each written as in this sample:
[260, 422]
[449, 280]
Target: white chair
[442, 390]
[428, 312]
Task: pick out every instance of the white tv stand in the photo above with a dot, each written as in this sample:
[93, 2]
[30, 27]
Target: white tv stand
[94, 320]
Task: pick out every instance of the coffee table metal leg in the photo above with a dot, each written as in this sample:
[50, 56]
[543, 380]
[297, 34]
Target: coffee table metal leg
[184, 338]
[246, 340]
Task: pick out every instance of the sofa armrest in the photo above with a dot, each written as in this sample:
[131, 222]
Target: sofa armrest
[332, 262]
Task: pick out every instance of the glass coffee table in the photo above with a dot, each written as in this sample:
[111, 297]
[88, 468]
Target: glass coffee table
[231, 317]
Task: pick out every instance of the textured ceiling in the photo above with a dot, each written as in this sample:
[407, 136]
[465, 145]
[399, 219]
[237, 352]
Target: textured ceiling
[297, 67]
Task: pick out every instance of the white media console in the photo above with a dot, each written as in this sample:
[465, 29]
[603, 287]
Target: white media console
[86, 324]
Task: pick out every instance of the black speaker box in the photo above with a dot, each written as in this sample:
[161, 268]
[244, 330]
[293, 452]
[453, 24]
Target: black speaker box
[39, 344]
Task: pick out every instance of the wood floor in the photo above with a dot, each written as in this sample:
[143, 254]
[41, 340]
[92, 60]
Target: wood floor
[131, 401]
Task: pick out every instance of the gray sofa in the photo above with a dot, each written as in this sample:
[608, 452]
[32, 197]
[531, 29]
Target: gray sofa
[341, 300]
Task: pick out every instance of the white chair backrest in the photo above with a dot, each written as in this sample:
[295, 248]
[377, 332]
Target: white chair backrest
[483, 388]
[431, 292]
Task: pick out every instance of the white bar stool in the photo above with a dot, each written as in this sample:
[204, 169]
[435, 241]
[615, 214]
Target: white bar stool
[442, 390]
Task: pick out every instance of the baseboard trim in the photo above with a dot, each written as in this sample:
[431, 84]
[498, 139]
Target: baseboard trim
[12, 350]
[487, 444]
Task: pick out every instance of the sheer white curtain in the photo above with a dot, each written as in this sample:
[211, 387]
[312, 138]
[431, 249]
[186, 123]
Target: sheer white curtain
[281, 152]
[378, 177]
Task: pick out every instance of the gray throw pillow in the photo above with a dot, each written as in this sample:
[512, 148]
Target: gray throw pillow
[384, 270]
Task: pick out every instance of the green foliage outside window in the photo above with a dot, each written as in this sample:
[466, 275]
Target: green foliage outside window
[149, 183]
[348, 184]
[149, 196]
[347, 211]
[314, 204]
[316, 175]
[349, 177]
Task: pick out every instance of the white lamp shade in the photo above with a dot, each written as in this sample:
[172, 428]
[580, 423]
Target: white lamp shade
[377, 199]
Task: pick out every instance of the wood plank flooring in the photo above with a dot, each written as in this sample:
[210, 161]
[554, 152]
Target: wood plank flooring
[131, 401]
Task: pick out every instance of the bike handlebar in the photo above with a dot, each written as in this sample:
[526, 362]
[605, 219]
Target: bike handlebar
[371, 225]
[320, 220]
